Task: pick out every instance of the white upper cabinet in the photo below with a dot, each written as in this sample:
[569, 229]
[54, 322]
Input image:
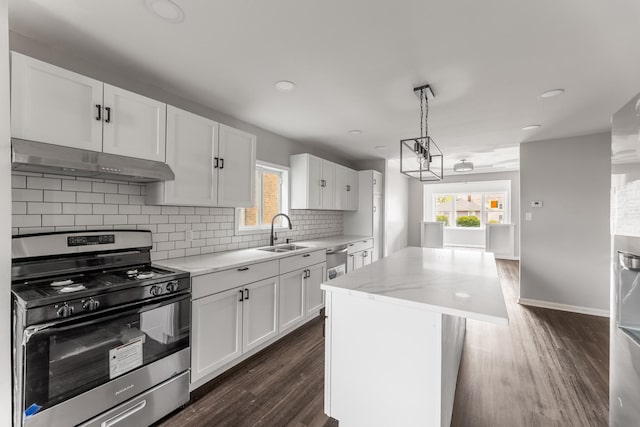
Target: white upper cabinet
[134, 125]
[378, 187]
[53, 105]
[320, 184]
[328, 184]
[352, 190]
[236, 168]
[191, 147]
[214, 164]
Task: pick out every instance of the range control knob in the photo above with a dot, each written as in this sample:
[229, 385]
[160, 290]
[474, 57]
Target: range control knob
[172, 286]
[155, 290]
[90, 305]
[64, 310]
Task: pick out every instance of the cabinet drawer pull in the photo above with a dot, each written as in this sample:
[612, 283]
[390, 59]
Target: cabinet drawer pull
[107, 110]
[306, 255]
[99, 107]
[216, 161]
[243, 268]
[348, 188]
[241, 295]
[246, 294]
[221, 163]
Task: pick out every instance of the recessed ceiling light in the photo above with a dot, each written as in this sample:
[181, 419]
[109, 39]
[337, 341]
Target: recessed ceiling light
[355, 131]
[551, 93]
[166, 9]
[380, 147]
[285, 86]
[531, 127]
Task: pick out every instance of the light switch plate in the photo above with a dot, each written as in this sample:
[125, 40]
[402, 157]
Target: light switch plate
[536, 203]
[528, 216]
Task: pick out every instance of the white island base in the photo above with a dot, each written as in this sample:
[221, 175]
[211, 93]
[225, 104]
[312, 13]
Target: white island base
[395, 332]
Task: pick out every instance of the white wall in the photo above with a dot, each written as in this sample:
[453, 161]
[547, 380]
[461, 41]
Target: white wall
[565, 248]
[396, 208]
[271, 147]
[5, 218]
[419, 212]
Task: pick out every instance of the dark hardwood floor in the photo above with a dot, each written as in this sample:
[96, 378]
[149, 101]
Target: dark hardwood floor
[547, 368]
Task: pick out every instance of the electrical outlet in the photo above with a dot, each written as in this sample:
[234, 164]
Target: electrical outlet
[528, 216]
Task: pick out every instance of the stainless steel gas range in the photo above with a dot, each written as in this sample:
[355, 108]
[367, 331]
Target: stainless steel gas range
[101, 336]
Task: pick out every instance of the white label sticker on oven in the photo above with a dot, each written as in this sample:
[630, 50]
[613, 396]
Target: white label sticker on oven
[124, 358]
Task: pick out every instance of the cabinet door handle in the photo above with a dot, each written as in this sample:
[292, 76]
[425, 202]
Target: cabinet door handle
[246, 294]
[99, 107]
[107, 110]
[364, 254]
[243, 268]
[241, 295]
[307, 274]
[216, 160]
[374, 181]
[323, 183]
[375, 208]
[348, 188]
[221, 163]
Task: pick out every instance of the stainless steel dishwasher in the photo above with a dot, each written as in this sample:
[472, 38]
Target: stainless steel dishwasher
[336, 261]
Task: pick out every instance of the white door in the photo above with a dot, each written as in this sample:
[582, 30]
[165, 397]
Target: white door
[191, 144]
[237, 168]
[260, 316]
[352, 190]
[134, 125]
[351, 263]
[366, 257]
[291, 299]
[315, 183]
[53, 105]
[341, 194]
[314, 296]
[217, 332]
[329, 184]
[358, 260]
[377, 183]
[377, 227]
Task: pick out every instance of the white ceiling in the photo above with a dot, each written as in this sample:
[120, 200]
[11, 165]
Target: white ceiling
[355, 63]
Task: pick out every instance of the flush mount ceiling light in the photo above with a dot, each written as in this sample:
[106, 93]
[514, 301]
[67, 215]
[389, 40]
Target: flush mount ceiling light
[420, 157]
[285, 86]
[355, 132]
[551, 93]
[165, 9]
[531, 127]
[463, 166]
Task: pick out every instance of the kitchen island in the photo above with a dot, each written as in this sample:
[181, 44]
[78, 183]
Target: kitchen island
[395, 333]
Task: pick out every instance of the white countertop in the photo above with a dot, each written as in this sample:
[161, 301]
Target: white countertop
[457, 282]
[209, 263]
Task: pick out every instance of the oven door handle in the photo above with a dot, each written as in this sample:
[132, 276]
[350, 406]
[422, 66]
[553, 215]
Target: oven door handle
[95, 317]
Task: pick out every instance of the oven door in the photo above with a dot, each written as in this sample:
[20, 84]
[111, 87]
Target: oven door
[67, 360]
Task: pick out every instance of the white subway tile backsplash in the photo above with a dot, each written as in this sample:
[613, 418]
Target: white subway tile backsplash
[59, 196]
[47, 203]
[44, 183]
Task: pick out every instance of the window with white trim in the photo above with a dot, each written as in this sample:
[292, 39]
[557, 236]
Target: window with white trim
[470, 210]
[272, 197]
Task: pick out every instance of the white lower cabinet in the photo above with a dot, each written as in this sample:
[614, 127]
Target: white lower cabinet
[292, 299]
[231, 323]
[216, 336]
[359, 259]
[314, 296]
[259, 313]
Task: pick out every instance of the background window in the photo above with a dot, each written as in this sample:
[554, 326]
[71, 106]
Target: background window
[272, 194]
[469, 210]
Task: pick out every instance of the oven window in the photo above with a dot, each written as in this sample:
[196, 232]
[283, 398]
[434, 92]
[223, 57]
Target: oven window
[63, 362]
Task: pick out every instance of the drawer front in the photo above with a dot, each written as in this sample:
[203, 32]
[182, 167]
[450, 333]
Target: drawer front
[297, 262]
[360, 245]
[209, 284]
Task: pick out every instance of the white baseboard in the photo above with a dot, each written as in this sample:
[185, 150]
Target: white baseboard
[564, 307]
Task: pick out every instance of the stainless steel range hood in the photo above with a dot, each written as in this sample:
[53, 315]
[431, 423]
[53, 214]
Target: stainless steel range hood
[31, 156]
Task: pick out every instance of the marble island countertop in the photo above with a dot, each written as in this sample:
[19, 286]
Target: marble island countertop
[457, 282]
[210, 263]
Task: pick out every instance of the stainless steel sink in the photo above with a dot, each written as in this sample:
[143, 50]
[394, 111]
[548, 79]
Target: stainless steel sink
[282, 248]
